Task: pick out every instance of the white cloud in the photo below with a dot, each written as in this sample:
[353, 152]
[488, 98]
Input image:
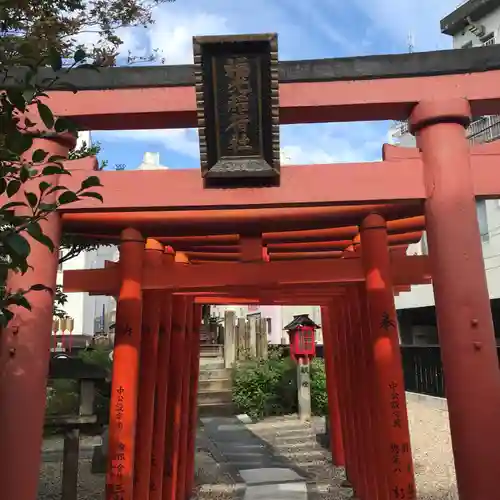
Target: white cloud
[419, 17]
[172, 34]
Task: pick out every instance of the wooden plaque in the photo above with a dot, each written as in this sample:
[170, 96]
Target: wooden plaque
[238, 109]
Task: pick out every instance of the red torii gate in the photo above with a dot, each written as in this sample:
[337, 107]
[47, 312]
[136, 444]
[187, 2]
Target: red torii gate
[349, 209]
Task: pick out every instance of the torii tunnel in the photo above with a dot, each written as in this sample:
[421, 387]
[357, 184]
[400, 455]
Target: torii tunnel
[329, 235]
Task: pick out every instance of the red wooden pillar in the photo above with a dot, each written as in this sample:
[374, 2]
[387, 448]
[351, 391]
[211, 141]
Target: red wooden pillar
[362, 482]
[24, 356]
[466, 333]
[147, 380]
[336, 444]
[388, 372]
[126, 355]
[174, 400]
[365, 356]
[185, 388]
[345, 396]
[361, 392]
[193, 400]
[161, 393]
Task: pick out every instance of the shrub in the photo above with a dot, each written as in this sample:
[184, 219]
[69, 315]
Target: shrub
[319, 395]
[263, 388]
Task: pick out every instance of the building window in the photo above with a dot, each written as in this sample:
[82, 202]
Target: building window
[467, 45]
[482, 219]
[488, 39]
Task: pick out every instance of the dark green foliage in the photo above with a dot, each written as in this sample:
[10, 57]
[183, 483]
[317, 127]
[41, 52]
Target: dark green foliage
[263, 388]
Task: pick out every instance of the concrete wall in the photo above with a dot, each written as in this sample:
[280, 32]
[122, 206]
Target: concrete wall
[280, 316]
[492, 24]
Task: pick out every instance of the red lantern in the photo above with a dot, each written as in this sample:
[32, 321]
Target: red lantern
[302, 337]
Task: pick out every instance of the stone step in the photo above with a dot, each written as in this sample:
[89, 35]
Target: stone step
[215, 384]
[211, 350]
[215, 397]
[211, 363]
[216, 410]
[213, 373]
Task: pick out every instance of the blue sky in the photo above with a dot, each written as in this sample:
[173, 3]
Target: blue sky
[308, 29]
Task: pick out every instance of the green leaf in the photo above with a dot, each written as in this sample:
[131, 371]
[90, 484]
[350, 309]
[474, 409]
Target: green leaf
[67, 197]
[17, 99]
[3, 185]
[13, 187]
[64, 124]
[54, 189]
[12, 204]
[28, 96]
[92, 194]
[47, 207]
[32, 199]
[36, 232]
[24, 173]
[92, 181]
[5, 317]
[55, 59]
[45, 114]
[18, 142]
[53, 170]
[43, 186]
[19, 300]
[38, 155]
[56, 157]
[17, 244]
[79, 56]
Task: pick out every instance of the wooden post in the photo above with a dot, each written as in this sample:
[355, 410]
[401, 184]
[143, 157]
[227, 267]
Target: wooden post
[367, 363]
[25, 349]
[71, 450]
[333, 417]
[177, 366]
[360, 388]
[393, 429]
[345, 396]
[147, 382]
[126, 355]
[185, 398]
[463, 311]
[229, 339]
[193, 401]
[162, 384]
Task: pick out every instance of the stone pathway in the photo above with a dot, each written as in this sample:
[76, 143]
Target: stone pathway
[287, 468]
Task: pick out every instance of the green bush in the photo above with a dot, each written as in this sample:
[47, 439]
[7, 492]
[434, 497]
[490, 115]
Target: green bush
[263, 388]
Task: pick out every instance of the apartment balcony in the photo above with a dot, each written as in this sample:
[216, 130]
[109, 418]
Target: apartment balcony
[484, 129]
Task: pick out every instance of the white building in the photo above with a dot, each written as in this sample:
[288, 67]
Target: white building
[95, 314]
[474, 23]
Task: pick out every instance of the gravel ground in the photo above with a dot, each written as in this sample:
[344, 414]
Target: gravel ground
[431, 446]
[432, 453]
[91, 486]
[297, 445]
